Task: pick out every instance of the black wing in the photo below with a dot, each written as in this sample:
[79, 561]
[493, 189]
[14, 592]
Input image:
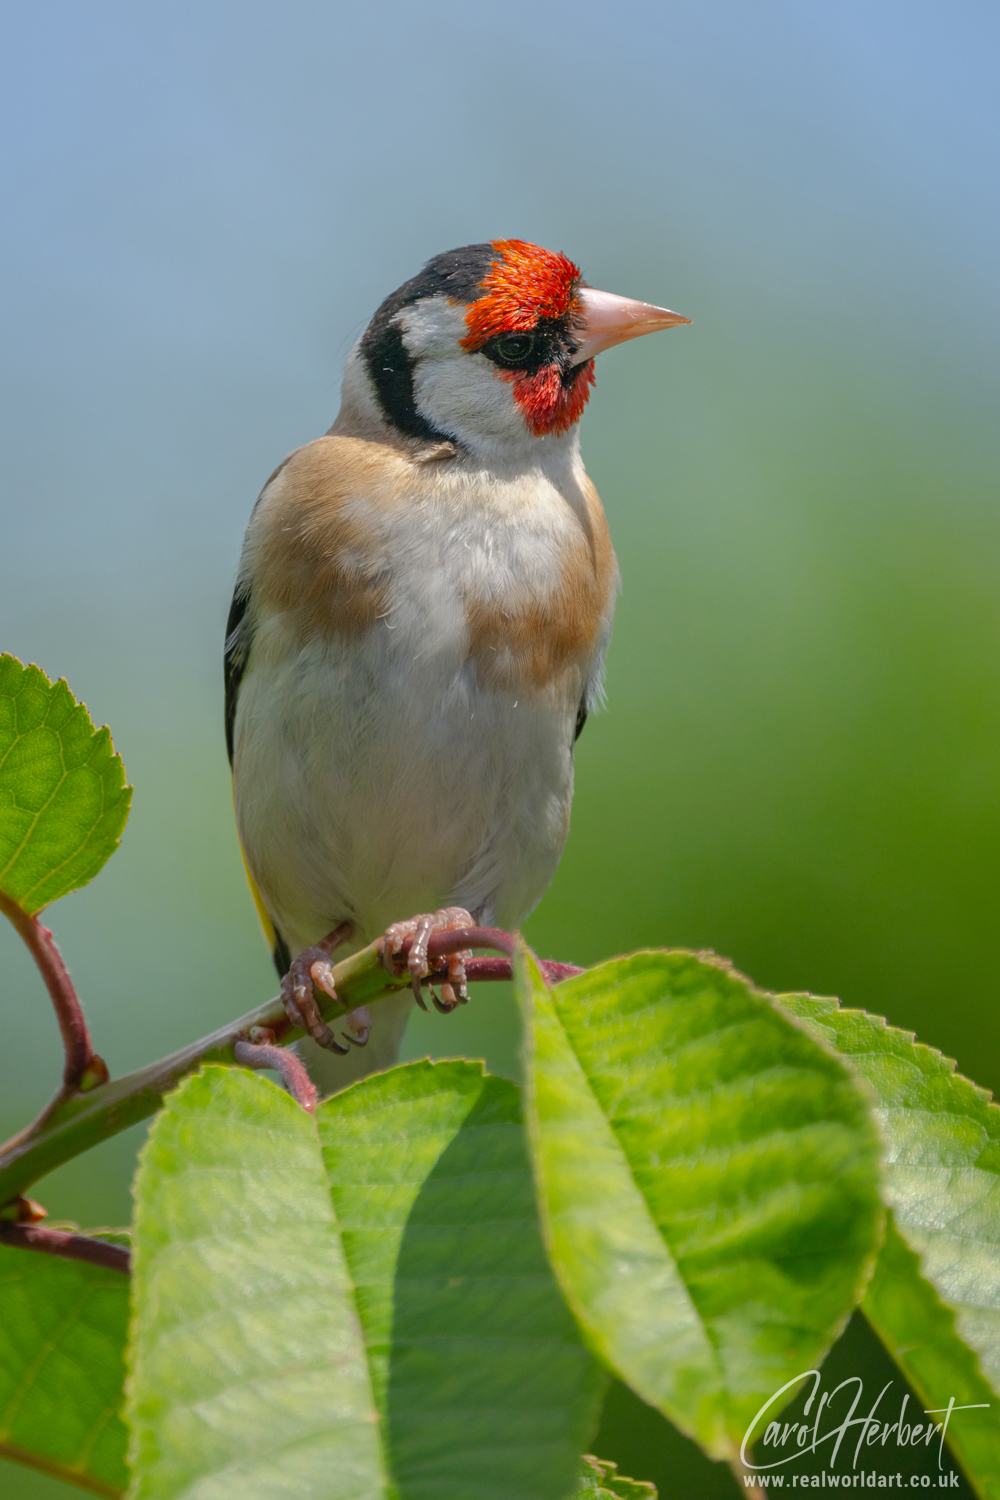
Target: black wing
[239, 639]
[581, 719]
[282, 955]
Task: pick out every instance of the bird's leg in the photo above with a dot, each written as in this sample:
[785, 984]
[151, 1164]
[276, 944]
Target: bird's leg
[313, 967]
[449, 919]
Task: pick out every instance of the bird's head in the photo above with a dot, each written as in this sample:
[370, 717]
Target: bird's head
[492, 346]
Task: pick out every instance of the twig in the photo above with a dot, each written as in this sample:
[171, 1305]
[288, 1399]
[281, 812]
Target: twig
[73, 1124]
[70, 1246]
[454, 938]
[292, 1069]
[83, 1068]
[501, 969]
[442, 943]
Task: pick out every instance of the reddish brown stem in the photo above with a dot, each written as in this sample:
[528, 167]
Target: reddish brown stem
[442, 943]
[82, 1063]
[292, 1069]
[553, 971]
[70, 1246]
[477, 969]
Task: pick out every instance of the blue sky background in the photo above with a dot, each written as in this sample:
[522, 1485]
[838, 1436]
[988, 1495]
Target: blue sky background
[800, 765]
[205, 202]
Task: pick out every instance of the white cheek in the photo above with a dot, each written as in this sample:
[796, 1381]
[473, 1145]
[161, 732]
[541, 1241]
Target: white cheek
[459, 393]
[463, 395]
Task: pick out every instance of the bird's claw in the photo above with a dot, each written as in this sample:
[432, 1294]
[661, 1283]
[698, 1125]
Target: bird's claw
[358, 1027]
[420, 929]
[311, 968]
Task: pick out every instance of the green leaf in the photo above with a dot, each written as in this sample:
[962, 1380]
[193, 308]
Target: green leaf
[63, 798]
[942, 1176]
[485, 1389]
[708, 1180]
[919, 1332]
[247, 1374]
[62, 1339]
[600, 1480]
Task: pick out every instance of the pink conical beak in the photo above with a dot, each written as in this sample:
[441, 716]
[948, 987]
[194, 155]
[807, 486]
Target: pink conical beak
[610, 320]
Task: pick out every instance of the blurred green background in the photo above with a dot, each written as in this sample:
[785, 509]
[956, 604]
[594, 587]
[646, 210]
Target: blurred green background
[799, 766]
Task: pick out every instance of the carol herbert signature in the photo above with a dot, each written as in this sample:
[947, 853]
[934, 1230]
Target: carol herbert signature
[831, 1417]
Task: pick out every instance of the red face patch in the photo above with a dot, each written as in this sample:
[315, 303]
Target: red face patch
[525, 284]
[546, 404]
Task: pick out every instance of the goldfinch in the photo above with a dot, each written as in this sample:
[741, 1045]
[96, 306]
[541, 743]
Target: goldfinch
[422, 607]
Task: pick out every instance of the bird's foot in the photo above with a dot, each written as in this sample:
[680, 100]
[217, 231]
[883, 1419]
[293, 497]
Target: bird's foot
[313, 967]
[449, 919]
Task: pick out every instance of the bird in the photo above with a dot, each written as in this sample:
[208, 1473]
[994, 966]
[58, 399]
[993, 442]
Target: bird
[422, 607]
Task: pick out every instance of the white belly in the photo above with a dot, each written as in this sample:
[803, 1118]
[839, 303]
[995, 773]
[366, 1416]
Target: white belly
[375, 779]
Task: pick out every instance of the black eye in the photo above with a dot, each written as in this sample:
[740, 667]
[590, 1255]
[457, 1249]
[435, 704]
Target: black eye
[513, 348]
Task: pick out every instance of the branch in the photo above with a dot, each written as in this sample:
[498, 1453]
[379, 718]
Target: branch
[70, 1246]
[73, 1124]
[83, 1068]
[267, 1054]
